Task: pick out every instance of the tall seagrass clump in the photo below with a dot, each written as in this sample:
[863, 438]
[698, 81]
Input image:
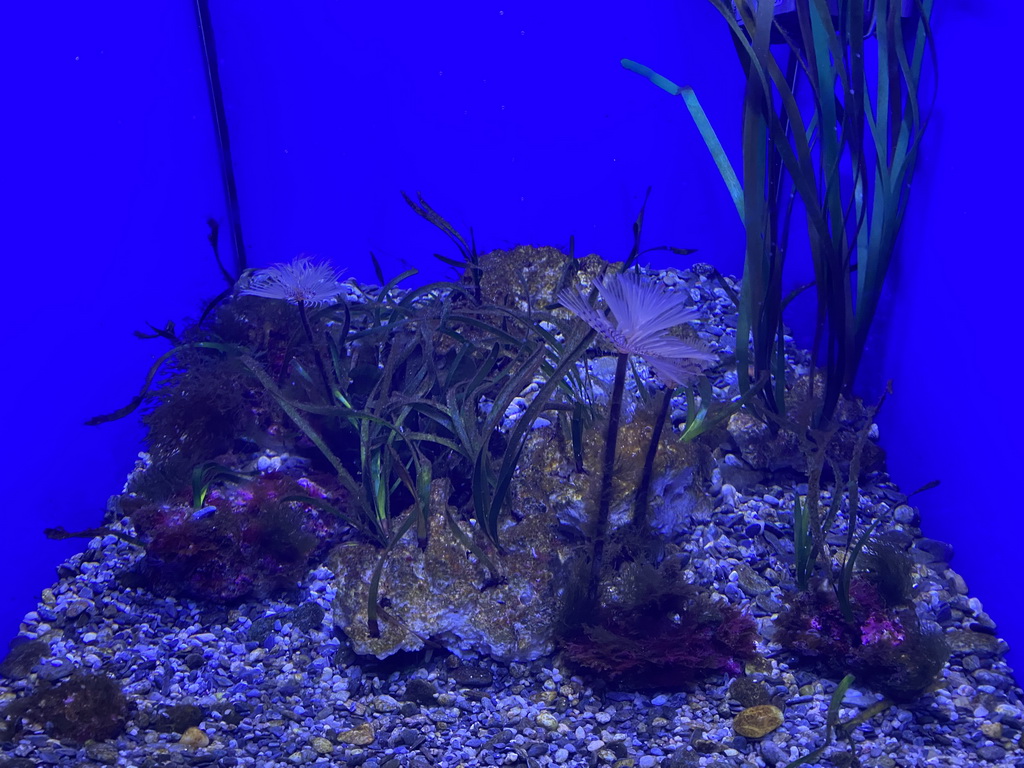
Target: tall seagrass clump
[815, 127]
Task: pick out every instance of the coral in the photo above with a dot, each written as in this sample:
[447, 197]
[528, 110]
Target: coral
[247, 541]
[83, 707]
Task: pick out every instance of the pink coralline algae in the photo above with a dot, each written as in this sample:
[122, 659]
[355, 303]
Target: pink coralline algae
[878, 629]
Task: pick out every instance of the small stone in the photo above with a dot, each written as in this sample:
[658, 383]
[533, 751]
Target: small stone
[729, 496]
[547, 721]
[991, 753]
[905, 514]
[77, 608]
[194, 738]
[360, 736]
[472, 677]
[993, 730]
[100, 752]
[421, 691]
[321, 745]
[773, 754]
[385, 703]
[932, 551]
[757, 722]
[195, 661]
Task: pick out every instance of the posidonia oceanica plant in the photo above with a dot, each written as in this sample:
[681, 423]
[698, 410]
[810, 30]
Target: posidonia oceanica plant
[832, 116]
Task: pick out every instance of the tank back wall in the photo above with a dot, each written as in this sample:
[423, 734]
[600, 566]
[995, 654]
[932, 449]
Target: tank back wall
[514, 120]
[950, 337]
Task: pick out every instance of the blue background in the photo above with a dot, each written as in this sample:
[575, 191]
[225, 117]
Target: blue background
[513, 118]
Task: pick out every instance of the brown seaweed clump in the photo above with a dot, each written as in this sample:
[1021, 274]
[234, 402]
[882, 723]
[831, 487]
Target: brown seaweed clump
[83, 707]
[885, 644]
[254, 540]
[658, 631]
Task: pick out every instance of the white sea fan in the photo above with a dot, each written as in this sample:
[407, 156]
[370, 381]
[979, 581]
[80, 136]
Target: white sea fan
[298, 281]
[643, 312]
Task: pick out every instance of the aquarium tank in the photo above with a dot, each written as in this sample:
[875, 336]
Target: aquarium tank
[522, 384]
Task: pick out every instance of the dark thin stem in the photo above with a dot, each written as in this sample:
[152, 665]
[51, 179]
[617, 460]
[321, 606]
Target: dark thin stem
[605, 499]
[316, 351]
[220, 124]
[643, 491]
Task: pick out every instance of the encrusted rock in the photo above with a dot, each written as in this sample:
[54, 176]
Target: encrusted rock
[472, 677]
[529, 278]
[22, 657]
[762, 452]
[420, 691]
[443, 593]
[751, 581]
[757, 722]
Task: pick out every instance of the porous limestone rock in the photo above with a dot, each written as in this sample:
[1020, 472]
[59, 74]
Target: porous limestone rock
[443, 594]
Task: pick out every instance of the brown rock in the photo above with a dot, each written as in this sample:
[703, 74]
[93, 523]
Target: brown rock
[360, 736]
[748, 692]
[757, 722]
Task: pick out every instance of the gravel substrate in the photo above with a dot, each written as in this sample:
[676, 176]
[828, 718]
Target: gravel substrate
[267, 683]
[274, 687]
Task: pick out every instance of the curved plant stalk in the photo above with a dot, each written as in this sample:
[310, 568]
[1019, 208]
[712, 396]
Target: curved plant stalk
[517, 437]
[206, 474]
[154, 369]
[293, 412]
[643, 490]
[832, 724]
[710, 414]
